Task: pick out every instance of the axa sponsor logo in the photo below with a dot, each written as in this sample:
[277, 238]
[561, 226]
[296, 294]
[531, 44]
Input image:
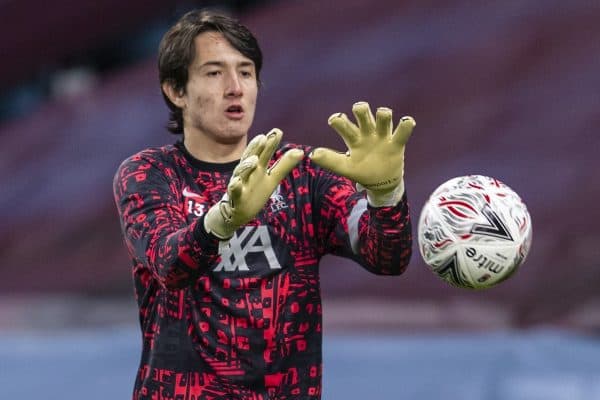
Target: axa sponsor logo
[248, 242]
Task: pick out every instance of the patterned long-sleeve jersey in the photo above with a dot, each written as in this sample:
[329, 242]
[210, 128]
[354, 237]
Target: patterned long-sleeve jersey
[241, 321]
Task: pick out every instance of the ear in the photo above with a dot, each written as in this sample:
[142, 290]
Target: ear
[176, 96]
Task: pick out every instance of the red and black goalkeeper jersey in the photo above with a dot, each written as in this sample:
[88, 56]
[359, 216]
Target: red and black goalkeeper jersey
[241, 321]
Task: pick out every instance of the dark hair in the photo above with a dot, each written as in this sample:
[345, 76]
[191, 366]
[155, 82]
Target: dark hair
[177, 51]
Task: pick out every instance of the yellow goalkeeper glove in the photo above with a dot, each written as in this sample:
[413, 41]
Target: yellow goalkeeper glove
[375, 156]
[251, 185]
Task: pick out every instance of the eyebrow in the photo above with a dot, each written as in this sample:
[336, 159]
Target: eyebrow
[221, 64]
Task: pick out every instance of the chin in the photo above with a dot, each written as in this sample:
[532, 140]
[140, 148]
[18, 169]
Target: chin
[232, 136]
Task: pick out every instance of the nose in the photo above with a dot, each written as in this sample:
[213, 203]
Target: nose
[234, 86]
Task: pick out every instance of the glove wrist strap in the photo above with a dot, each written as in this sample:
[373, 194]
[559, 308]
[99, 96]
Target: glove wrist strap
[215, 224]
[384, 199]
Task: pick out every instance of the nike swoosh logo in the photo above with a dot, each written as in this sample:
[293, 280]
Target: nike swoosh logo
[188, 193]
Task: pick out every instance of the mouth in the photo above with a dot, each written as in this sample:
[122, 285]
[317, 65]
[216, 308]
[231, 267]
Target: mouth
[235, 111]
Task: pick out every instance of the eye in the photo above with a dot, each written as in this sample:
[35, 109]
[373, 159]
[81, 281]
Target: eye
[246, 74]
[213, 73]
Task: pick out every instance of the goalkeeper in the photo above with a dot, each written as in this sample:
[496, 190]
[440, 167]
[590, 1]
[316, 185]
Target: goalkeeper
[225, 236]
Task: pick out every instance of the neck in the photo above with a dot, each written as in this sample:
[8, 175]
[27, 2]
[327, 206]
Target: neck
[205, 149]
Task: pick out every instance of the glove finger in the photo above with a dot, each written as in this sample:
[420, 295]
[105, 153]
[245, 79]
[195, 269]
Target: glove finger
[273, 139]
[383, 122]
[234, 190]
[225, 210]
[245, 168]
[364, 117]
[346, 129]
[284, 165]
[256, 146]
[403, 130]
[331, 160]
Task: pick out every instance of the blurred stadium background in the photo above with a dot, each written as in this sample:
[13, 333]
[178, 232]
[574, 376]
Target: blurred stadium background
[507, 89]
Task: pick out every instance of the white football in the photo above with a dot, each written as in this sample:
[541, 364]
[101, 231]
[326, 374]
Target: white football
[474, 231]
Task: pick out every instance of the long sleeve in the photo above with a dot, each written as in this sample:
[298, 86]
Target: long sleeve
[154, 224]
[379, 239]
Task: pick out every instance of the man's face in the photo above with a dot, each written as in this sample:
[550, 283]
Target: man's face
[220, 96]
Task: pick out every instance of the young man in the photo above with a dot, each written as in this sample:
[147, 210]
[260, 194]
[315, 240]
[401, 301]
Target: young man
[225, 236]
